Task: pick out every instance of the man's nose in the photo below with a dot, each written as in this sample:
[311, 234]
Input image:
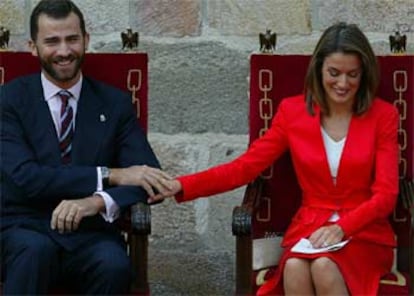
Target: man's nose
[63, 48]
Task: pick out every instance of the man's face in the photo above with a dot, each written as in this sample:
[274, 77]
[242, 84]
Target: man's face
[60, 46]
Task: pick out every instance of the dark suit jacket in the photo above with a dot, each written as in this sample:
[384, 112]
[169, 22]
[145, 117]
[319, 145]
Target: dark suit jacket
[33, 179]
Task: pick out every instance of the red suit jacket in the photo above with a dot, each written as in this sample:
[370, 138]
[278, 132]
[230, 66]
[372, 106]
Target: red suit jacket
[367, 182]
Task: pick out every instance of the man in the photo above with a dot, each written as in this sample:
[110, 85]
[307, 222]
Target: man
[59, 198]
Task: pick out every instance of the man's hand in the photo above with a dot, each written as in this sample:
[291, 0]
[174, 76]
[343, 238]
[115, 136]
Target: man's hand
[141, 175]
[68, 214]
[326, 236]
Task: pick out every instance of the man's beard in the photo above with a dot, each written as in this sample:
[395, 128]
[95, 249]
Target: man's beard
[47, 66]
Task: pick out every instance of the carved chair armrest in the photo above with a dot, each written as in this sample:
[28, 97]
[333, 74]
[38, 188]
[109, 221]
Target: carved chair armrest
[242, 215]
[141, 218]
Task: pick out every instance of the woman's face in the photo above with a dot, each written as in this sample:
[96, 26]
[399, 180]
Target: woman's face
[341, 77]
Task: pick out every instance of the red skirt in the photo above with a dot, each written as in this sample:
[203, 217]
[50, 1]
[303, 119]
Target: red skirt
[361, 263]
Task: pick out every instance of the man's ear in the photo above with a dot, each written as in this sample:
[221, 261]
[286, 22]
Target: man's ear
[86, 41]
[32, 47]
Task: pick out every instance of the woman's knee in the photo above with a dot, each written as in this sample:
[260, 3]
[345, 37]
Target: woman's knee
[325, 270]
[296, 277]
[295, 267]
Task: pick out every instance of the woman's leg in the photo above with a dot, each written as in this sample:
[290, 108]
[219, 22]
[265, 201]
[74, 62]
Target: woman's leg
[327, 278]
[297, 279]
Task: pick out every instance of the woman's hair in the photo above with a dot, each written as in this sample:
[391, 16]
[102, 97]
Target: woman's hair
[56, 9]
[347, 39]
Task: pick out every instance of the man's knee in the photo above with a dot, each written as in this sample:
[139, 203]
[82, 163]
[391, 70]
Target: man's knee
[30, 262]
[29, 246]
[111, 263]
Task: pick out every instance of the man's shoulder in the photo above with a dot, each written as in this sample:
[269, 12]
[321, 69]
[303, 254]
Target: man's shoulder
[21, 82]
[103, 88]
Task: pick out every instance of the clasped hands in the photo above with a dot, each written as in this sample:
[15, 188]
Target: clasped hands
[157, 183]
[67, 216]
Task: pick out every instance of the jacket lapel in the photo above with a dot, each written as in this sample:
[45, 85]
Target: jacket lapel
[41, 124]
[320, 146]
[89, 126]
[356, 139]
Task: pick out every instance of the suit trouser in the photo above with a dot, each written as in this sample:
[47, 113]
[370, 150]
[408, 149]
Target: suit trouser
[32, 263]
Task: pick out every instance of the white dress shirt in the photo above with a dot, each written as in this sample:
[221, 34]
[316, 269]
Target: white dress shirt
[54, 102]
[333, 152]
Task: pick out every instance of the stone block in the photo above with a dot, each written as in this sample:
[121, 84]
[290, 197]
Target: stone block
[201, 272]
[105, 16]
[206, 221]
[12, 16]
[197, 87]
[250, 17]
[370, 15]
[172, 18]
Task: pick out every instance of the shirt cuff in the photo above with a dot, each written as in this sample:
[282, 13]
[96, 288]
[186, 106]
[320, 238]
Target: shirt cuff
[112, 209]
[99, 183]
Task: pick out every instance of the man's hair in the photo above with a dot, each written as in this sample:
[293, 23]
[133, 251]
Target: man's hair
[347, 39]
[56, 9]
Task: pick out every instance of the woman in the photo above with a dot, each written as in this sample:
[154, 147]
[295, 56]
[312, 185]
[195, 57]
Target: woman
[343, 143]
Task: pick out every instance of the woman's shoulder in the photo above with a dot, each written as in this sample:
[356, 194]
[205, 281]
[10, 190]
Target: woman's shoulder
[381, 106]
[294, 99]
[293, 104]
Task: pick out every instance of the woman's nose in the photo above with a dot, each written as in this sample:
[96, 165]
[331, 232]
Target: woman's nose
[342, 80]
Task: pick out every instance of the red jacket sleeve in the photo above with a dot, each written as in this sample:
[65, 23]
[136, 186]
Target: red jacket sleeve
[260, 155]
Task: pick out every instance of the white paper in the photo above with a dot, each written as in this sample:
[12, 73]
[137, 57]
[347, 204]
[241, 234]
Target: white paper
[304, 246]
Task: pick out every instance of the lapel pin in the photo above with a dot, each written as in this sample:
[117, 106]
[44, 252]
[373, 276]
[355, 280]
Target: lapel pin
[102, 118]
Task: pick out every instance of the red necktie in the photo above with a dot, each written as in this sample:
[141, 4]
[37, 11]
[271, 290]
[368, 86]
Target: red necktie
[66, 126]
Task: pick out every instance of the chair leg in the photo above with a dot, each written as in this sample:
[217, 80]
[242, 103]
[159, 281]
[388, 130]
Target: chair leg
[139, 257]
[244, 265]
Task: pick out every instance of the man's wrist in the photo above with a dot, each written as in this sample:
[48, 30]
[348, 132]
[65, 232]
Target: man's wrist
[98, 202]
[114, 177]
[105, 175]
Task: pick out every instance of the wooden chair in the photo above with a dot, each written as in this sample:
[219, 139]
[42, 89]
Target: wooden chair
[130, 73]
[272, 199]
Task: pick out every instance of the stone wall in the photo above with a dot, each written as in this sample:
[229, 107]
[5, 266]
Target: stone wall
[198, 104]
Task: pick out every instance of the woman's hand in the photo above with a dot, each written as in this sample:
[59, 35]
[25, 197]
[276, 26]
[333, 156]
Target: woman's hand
[174, 188]
[326, 236]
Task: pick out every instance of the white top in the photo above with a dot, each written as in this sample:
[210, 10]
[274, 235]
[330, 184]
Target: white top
[333, 152]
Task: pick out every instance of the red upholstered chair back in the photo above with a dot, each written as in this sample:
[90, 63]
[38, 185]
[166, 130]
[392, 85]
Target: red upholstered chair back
[128, 72]
[273, 77]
